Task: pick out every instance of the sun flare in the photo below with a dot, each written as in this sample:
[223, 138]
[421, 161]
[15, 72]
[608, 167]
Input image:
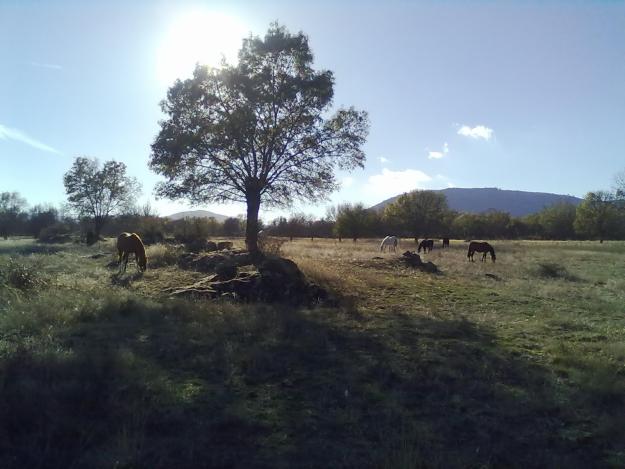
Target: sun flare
[198, 36]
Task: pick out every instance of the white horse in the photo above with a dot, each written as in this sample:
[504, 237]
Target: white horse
[391, 242]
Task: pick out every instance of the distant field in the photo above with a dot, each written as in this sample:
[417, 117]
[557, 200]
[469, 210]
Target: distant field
[523, 367]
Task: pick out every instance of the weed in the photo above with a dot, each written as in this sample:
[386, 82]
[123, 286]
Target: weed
[553, 270]
[271, 245]
[161, 255]
[23, 276]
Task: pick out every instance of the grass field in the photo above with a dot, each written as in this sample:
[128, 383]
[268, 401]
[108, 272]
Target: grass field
[523, 367]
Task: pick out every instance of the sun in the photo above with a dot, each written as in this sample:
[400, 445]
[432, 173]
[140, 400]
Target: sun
[198, 36]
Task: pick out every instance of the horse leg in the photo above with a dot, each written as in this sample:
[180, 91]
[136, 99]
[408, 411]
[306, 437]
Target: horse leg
[119, 260]
[126, 254]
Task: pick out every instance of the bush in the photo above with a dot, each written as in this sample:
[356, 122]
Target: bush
[271, 246]
[192, 231]
[553, 270]
[22, 276]
[161, 255]
[152, 230]
[56, 233]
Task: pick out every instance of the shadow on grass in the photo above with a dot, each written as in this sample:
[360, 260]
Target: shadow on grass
[180, 386]
[32, 248]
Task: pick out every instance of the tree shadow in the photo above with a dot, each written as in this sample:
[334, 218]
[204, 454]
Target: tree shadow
[148, 385]
[32, 249]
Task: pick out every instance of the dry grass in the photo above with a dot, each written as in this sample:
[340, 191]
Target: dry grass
[100, 370]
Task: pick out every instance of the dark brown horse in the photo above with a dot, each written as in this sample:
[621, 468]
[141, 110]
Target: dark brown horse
[426, 245]
[445, 243]
[483, 248]
[127, 243]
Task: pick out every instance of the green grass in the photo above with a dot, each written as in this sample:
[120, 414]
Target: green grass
[517, 369]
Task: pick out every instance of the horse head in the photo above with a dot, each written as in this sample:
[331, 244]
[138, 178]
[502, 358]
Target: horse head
[142, 262]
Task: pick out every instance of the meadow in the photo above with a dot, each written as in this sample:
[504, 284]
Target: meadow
[518, 363]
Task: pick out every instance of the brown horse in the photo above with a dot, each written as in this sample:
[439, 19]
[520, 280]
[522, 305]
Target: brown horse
[427, 245]
[483, 248]
[445, 243]
[127, 243]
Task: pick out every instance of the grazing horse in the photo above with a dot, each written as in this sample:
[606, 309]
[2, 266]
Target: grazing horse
[427, 245]
[445, 243]
[391, 242]
[483, 248]
[127, 243]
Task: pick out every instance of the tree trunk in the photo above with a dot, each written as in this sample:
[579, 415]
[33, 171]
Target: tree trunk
[251, 228]
[98, 224]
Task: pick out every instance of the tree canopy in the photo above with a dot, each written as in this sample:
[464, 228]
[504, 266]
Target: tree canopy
[257, 132]
[99, 192]
[598, 216]
[418, 213]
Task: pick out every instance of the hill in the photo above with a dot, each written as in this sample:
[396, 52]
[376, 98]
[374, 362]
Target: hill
[197, 214]
[478, 200]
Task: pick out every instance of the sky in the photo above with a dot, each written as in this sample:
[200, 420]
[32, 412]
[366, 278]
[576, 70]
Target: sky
[516, 95]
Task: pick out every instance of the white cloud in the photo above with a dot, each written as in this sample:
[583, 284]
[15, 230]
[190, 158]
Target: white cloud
[347, 181]
[390, 183]
[383, 160]
[44, 65]
[477, 132]
[435, 155]
[7, 133]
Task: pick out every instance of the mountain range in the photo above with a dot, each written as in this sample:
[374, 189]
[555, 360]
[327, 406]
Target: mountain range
[197, 214]
[479, 200]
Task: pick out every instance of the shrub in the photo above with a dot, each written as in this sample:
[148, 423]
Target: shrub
[152, 230]
[56, 233]
[554, 270]
[192, 230]
[161, 255]
[22, 276]
[271, 246]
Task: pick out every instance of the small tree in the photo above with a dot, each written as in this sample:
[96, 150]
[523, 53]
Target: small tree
[98, 193]
[11, 213]
[257, 132]
[418, 213]
[231, 226]
[40, 217]
[352, 221]
[557, 221]
[598, 216]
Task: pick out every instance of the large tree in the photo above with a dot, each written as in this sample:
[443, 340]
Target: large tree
[419, 213]
[99, 192]
[257, 132]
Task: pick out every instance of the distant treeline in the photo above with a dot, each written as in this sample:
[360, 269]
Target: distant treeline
[416, 214]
